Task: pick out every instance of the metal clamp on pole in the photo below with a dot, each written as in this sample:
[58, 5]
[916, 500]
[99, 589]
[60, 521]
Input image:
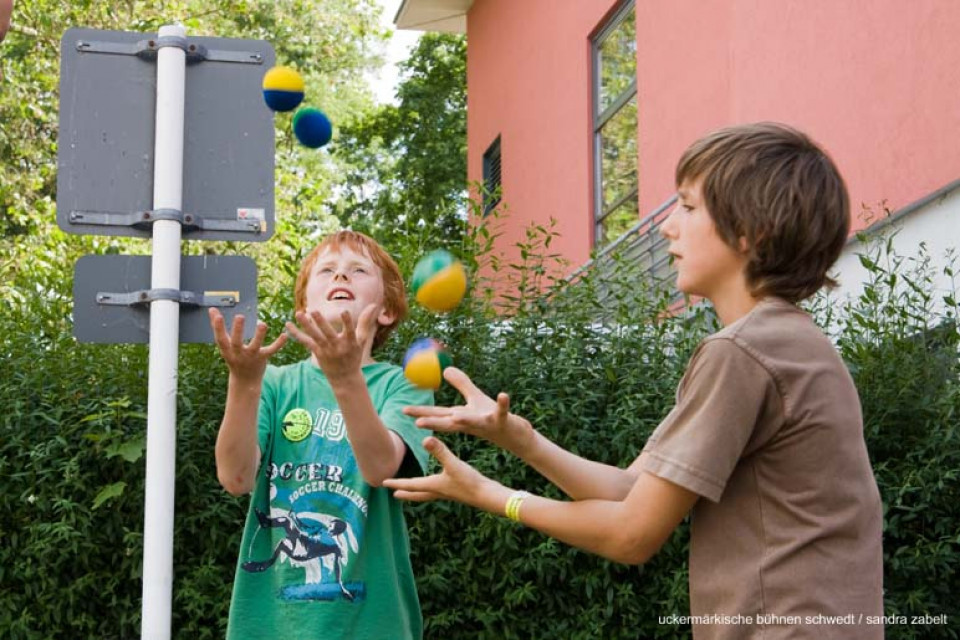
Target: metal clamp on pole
[193, 223]
[194, 52]
[145, 219]
[137, 219]
[189, 298]
[147, 50]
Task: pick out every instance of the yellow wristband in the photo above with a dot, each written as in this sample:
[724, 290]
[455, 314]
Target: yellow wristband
[514, 502]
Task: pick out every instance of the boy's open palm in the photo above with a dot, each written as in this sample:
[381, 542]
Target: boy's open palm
[458, 480]
[245, 361]
[480, 416]
[339, 353]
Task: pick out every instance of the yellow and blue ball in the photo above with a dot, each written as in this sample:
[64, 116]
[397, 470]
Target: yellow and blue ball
[312, 127]
[424, 362]
[439, 281]
[282, 88]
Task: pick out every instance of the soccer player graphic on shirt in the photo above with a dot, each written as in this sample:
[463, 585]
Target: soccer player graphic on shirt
[311, 539]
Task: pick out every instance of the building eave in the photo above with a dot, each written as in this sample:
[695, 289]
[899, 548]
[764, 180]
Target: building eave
[447, 16]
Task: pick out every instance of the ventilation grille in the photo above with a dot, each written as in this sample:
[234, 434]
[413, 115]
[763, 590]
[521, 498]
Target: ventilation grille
[491, 177]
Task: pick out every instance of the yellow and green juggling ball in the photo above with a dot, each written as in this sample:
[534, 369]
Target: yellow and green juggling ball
[439, 281]
[424, 362]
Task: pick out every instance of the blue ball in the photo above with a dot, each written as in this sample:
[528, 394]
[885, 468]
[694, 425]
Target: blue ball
[312, 127]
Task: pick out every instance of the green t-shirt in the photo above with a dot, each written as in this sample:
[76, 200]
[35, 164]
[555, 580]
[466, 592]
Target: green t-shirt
[324, 554]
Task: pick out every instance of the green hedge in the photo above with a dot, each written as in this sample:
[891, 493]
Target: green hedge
[72, 464]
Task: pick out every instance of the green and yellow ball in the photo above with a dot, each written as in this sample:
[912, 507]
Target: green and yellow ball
[282, 88]
[424, 362]
[439, 281]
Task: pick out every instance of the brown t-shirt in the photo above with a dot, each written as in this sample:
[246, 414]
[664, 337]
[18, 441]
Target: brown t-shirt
[768, 429]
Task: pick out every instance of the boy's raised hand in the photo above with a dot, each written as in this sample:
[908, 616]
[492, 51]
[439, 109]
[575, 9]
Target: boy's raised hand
[245, 361]
[480, 416]
[338, 353]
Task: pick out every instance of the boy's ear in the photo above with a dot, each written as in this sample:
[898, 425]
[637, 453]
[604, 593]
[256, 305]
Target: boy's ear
[386, 318]
[742, 244]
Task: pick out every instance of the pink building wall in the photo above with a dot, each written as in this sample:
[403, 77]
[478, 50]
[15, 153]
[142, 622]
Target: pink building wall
[527, 65]
[874, 81]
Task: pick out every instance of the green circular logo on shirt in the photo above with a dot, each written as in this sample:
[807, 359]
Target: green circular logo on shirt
[297, 425]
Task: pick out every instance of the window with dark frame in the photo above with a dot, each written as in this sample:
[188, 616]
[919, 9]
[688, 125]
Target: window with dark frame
[491, 177]
[614, 91]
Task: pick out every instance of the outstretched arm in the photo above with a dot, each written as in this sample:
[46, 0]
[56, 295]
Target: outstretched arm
[483, 417]
[630, 530]
[237, 448]
[579, 478]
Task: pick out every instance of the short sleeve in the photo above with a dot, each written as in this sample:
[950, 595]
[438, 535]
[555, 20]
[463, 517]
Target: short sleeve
[719, 403]
[266, 415]
[402, 394]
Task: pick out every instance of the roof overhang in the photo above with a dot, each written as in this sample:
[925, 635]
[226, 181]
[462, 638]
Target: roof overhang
[449, 16]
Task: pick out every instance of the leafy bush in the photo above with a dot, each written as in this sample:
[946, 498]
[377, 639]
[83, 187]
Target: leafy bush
[72, 465]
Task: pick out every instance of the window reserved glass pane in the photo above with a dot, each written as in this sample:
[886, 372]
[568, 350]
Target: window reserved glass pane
[618, 221]
[618, 60]
[618, 155]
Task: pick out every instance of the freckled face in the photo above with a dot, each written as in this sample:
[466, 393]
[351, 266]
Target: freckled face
[344, 280]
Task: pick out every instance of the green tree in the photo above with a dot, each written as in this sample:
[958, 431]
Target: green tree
[343, 41]
[407, 181]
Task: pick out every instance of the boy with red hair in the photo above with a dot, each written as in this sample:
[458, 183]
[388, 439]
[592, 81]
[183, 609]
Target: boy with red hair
[325, 552]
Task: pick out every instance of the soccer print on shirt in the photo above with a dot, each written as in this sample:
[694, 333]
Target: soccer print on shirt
[317, 513]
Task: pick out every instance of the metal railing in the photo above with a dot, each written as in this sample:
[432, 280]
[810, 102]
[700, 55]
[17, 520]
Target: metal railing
[643, 248]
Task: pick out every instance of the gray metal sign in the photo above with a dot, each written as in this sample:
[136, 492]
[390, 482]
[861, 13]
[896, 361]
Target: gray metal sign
[105, 155]
[112, 295]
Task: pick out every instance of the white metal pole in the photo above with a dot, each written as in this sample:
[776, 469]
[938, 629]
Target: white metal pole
[164, 344]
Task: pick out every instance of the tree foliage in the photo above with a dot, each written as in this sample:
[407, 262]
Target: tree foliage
[342, 42]
[409, 160]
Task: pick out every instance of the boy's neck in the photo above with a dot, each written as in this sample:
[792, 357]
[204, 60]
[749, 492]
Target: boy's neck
[733, 304]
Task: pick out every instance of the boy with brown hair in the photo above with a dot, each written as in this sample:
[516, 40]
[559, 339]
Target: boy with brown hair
[325, 552]
[765, 444]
